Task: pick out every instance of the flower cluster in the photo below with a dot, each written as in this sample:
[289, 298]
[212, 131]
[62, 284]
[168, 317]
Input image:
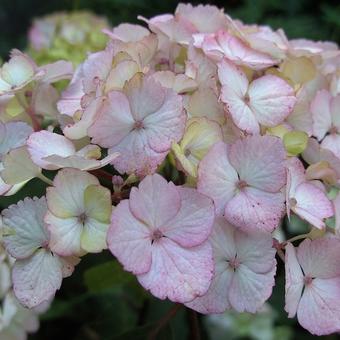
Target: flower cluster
[182, 147]
[66, 36]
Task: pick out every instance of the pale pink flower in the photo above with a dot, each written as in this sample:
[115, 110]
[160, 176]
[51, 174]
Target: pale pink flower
[78, 215]
[160, 235]
[52, 151]
[245, 266]
[37, 272]
[313, 284]
[326, 119]
[267, 100]
[225, 45]
[302, 196]
[140, 123]
[244, 180]
[12, 135]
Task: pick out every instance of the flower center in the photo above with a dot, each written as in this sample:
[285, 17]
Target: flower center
[247, 98]
[308, 280]
[234, 263]
[82, 218]
[138, 125]
[156, 235]
[241, 184]
[187, 153]
[292, 202]
[333, 130]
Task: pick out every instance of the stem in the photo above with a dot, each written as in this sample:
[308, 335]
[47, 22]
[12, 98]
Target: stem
[163, 321]
[45, 179]
[295, 238]
[194, 325]
[23, 102]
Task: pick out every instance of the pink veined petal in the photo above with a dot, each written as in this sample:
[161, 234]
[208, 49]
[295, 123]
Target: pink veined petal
[255, 250]
[65, 234]
[240, 112]
[294, 281]
[56, 71]
[96, 68]
[145, 96]
[129, 240]
[216, 177]
[79, 129]
[320, 108]
[37, 278]
[135, 155]
[249, 290]
[193, 223]
[79, 162]
[308, 197]
[297, 176]
[13, 135]
[319, 310]
[215, 300]
[233, 77]
[70, 100]
[259, 161]
[271, 100]
[155, 202]
[334, 110]
[179, 274]
[44, 143]
[114, 121]
[320, 257]
[167, 124]
[253, 209]
[26, 220]
[237, 51]
[332, 143]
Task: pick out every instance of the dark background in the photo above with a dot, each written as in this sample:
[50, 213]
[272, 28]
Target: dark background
[100, 301]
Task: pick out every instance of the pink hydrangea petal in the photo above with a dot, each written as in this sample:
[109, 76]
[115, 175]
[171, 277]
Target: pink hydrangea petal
[65, 235]
[114, 122]
[320, 108]
[271, 100]
[13, 135]
[249, 290]
[37, 278]
[253, 209]
[216, 300]
[136, 156]
[56, 71]
[216, 177]
[308, 196]
[194, 220]
[334, 110]
[129, 240]
[294, 281]
[145, 96]
[255, 250]
[319, 310]
[167, 124]
[26, 218]
[332, 143]
[259, 161]
[177, 273]
[80, 128]
[44, 143]
[155, 202]
[320, 258]
[235, 50]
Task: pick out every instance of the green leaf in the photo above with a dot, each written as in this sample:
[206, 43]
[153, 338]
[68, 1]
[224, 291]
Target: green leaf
[105, 276]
